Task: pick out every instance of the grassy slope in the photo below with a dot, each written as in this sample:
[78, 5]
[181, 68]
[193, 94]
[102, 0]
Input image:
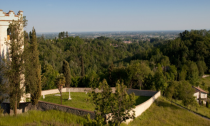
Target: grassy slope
[81, 100]
[203, 110]
[162, 113]
[39, 118]
[206, 81]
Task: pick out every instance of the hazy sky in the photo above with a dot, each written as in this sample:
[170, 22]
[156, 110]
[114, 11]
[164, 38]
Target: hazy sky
[112, 15]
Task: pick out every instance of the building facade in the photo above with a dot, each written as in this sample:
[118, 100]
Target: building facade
[200, 95]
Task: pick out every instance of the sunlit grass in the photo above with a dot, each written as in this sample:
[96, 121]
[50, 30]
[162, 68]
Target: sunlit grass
[201, 109]
[163, 113]
[43, 118]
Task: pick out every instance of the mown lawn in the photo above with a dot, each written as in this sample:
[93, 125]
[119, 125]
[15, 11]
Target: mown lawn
[163, 113]
[43, 118]
[81, 100]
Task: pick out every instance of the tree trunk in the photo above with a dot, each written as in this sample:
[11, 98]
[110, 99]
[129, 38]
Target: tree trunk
[15, 109]
[61, 98]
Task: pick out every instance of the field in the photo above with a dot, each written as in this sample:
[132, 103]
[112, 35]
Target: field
[162, 113]
[81, 100]
[47, 118]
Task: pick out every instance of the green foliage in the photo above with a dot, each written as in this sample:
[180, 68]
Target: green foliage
[60, 82]
[207, 104]
[33, 68]
[1, 111]
[120, 104]
[12, 67]
[186, 92]
[48, 77]
[67, 73]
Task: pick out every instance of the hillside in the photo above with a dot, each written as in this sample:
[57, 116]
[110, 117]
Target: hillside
[162, 113]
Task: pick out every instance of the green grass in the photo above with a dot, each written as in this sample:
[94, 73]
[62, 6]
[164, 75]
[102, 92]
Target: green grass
[206, 81]
[162, 113]
[201, 109]
[46, 118]
[81, 100]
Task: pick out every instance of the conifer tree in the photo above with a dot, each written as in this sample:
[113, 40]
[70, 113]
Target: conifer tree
[12, 66]
[33, 69]
[67, 73]
[82, 67]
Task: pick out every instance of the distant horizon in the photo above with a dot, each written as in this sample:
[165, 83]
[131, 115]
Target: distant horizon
[124, 31]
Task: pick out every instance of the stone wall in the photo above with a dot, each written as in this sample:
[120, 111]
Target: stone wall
[44, 106]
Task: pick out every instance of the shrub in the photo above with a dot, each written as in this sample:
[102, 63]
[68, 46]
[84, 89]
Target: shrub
[207, 104]
[1, 111]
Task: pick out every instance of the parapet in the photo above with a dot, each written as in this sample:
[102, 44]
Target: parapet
[10, 15]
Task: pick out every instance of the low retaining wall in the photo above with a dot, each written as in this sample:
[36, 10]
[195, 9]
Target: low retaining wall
[54, 91]
[139, 109]
[43, 106]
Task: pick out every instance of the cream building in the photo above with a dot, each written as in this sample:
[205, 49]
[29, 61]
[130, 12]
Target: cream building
[5, 20]
[200, 94]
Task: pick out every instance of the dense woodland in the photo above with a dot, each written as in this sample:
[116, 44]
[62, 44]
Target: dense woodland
[151, 65]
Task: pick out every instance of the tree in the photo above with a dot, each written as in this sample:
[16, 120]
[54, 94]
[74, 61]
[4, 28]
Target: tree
[186, 93]
[60, 82]
[67, 73]
[110, 70]
[119, 104]
[33, 69]
[48, 77]
[12, 67]
[82, 67]
[122, 105]
[170, 90]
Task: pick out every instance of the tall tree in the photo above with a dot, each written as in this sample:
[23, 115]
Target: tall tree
[120, 104]
[82, 67]
[33, 69]
[12, 67]
[67, 73]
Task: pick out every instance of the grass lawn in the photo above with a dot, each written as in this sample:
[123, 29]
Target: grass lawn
[162, 113]
[43, 118]
[81, 100]
[199, 109]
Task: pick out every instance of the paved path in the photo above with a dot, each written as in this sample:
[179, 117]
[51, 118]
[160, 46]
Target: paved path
[191, 111]
[204, 76]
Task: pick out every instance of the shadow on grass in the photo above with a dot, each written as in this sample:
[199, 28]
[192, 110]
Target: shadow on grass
[165, 104]
[141, 99]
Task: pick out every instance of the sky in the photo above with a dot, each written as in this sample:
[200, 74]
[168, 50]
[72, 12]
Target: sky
[111, 15]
